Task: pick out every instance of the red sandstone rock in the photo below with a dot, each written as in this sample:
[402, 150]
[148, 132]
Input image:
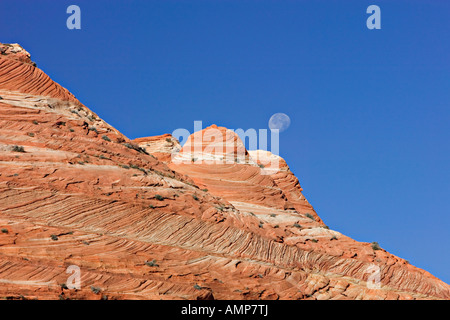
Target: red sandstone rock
[75, 191]
[213, 145]
[15, 52]
[162, 147]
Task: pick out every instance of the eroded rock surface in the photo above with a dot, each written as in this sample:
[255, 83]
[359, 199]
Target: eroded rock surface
[76, 192]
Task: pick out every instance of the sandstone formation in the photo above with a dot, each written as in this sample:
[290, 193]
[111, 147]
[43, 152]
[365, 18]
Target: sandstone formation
[164, 147]
[213, 145]
[139, 225]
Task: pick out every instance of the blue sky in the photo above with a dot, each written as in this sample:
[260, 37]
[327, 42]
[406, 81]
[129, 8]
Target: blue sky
[369, 109]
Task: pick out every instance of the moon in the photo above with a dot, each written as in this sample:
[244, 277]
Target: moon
[280, 121]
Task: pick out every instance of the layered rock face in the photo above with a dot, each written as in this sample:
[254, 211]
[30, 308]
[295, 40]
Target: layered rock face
[164, 147]
[139, 225]
[214, 145]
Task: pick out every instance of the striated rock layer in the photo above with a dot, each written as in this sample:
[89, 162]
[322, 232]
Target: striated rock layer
[139, 225]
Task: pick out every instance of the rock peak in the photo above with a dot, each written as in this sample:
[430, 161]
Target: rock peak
[72, 187]
[16, 52]
[214, 144]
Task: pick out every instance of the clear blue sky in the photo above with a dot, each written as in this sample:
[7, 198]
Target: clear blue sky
[369, 137]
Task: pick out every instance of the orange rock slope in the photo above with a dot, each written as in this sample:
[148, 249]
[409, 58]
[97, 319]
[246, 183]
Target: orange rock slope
[141, 224]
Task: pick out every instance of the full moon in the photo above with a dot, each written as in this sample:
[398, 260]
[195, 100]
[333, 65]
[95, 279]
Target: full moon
[280, 121]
